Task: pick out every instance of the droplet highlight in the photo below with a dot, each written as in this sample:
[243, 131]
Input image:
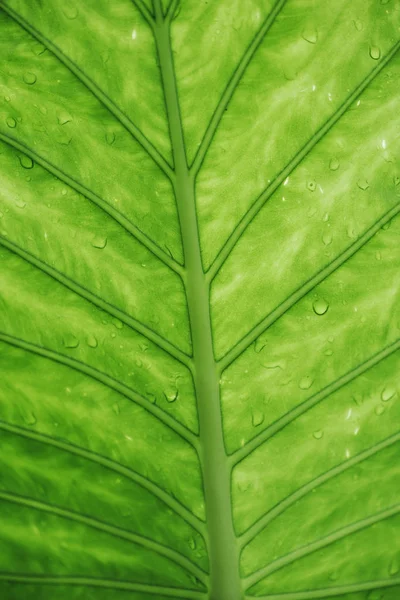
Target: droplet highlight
[320, 306]
[374, 52]
[29, 78]
[306, 383]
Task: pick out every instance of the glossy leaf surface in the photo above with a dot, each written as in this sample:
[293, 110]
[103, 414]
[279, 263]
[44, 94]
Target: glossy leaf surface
[199, 299]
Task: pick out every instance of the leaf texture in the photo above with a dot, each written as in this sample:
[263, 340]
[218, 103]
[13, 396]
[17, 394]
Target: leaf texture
[199, 299]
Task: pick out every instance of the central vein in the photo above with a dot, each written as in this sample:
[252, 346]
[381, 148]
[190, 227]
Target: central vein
[223, 550]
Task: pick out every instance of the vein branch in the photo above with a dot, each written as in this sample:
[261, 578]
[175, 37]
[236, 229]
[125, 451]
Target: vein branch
[145, 12]
[110, 309]
[304, 289]
[107, 381]
[232, 85]
[94, 582]
[331, 592]
[312, 547]
[99, 202]
[302, 408]
[116, 532]
[296, 160]
[309, 487]
[111, 465]
[90, 85]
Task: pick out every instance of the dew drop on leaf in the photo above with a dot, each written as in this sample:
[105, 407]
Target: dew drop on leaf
[310, 34]
[171, 396]
[30, 418]
[320, 306]
[20, 203]
[358, 24]
[374, 52]
[192, 543]
[394, 567]
[379, 410]
[363, 184]
[257, 418]
[117, 323]
[306, 383]
[334, 164]
[29, 78]
[327, 239]
[110, 137]
[387, 394]
[70, 11]
[70, 341]
[311, 185]
[318, 434]
[26, 162]
[64, 118]
[99, 242]
[11, 122]
[259, 345]
[92, 341]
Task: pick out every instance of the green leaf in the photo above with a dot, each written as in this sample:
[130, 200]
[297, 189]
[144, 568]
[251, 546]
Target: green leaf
[199, 299]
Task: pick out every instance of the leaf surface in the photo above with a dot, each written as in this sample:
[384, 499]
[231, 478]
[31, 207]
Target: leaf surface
[199, 299]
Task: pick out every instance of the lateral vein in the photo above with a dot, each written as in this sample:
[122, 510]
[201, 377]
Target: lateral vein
[312, 547]
[302, 408]
[117, 532]
[113, 466]
[232, 85]
[102, 583]
[303, 491]
[331, 592]
[107, 381]
[296, 160]
[304, 289]
[107, 307]
[94, 89]
[99, 202]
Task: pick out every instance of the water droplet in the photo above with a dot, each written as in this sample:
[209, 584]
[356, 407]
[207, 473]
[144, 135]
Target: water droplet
[70, 11]
[374, 52]
[92, 341]
[334, 164]
[192, 543]
[310, 34]
[259, 345]
[64, 118]
[311, 185]
[64, 192]
[29, 78]
[379, 410]
[378, 255]
[30, 418]
[358, 24]
[99, 242]
[363, 184]
[327, 239]
[394, 567]
[257, 418]
[11, 122]
[171, 396]
[320, 306]
[117, 323]
[116, 408]
[318, 434]
[387, 394]
[110, 137]
[134, 34]
[70, 341]
[20, 203]
[26, 162]
[306, 383]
